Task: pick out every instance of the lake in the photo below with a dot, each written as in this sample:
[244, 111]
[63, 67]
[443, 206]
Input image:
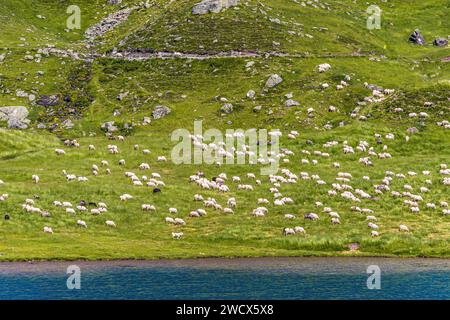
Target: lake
[242, 278]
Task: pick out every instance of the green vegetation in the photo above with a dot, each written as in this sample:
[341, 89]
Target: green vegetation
[88, 96]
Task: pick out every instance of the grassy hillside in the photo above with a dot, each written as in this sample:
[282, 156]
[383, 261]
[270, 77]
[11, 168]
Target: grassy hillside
[333, 32]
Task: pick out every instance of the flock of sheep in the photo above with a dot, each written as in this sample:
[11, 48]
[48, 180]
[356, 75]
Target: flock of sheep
[342, 187]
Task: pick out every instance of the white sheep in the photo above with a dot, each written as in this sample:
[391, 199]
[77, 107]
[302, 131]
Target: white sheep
[126, 197]
[169, 220]
[148, 207]
[110, 223]
[48, 230]
[179, 222]
[228, 210]
[299, 230]
[372, 225]
[82, 223]
[60, 152]
[288, 231]
[177, 235]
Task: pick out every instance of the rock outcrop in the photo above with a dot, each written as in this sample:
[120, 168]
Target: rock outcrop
[213, 6]
[16, 117]
[107, 24]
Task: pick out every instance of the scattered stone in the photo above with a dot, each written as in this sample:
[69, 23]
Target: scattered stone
[440, 42]
[107, 24]
[67, 124]
[227, 108]
[41, 126]
[417, 38]
[213, 6]
[251, 94]
[250, 64]
[114, 2]
[273, 81]
[109, 126]
[17, 124]
[257, 109]
[21, 94]
[291, 103]
[48, 100]
[160, 112]
[2, 57]
[122, 95]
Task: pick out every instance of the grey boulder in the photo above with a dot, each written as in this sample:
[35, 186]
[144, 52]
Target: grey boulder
[213, 6]
[160, 112]
[227, 108]
[273, 81]
[440, 42]
[417, 38]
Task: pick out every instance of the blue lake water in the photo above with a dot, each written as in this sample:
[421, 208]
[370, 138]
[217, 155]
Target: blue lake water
[272, 278]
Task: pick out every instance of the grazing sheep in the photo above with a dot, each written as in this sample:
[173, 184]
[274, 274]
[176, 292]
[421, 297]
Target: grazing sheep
[45, 214]
[415, 210]
[59, 152]
[35, 178]
[311, 216]
[70, 211]
[173, 210]
[289, 216]
[403, 228]
[198, 197]
[228, 210]
[110, 223]
[372, 225]
[81, 223]
[335, 221]
[179, 222]
[299, 230]
[194, 214]
[126, 197]
[177, 235]
[81, 208]
[169, 220]
[333, 214]
[48, 230]
[374, 233]
[288, 231]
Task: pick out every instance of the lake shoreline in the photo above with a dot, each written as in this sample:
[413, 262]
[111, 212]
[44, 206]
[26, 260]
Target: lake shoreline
[221, 263]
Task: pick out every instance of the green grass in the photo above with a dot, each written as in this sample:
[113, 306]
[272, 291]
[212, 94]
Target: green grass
[192, 89]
